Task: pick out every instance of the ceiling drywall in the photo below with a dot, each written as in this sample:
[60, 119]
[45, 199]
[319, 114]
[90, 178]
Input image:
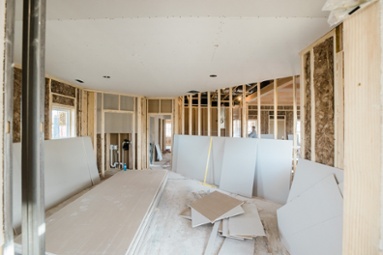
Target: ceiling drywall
[166, 48]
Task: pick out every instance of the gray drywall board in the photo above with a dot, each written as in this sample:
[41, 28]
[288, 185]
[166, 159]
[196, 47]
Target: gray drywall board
[198, 219]
[341, 188]
[238, 166]
[215, 205]
[175, 153]
[66, 169]
[192, 156]
[216, 157]
[118, 122]
[233, 212]
[66, 172]
[231, 247]
[105, 220]
[324, 238]
[309, 173]
[213, 235]
[16, 185]
[311, 210]
[91, 159]
[273, 171]
[247, 224]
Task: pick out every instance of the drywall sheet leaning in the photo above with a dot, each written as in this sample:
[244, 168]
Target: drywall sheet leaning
[316, 216]
[191, 156]
[215, 166]
[273, 171]
[69, 167]
[238, 166]
[106, 219]
[309, 173]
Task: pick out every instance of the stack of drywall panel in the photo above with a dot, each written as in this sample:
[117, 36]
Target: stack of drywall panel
[69, 167]
[111, 218]
[231, 217]
[245, 166]
[311, 221]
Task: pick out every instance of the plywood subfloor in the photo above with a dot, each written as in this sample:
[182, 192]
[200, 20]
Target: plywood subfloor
[169, 233]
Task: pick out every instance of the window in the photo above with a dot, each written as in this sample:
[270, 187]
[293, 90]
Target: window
[62, 122]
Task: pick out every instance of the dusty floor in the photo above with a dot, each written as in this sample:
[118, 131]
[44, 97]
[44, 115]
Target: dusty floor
[168, 233]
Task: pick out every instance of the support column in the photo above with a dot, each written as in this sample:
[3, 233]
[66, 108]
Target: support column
[7, 135]
[32, 165]
[219, 113]
[244, 112]
[275, 109]
[231, 112]
[208, 114]
[259, 109]
[295, 114]
[199, 114]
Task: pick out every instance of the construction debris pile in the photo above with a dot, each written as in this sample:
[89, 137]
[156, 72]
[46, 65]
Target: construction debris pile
[232, 218]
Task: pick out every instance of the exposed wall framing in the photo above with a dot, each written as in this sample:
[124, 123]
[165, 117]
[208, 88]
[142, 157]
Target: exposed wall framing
[322, 101]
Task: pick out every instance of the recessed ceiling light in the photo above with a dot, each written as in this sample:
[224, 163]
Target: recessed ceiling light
[213, 75]
[193, 92]
[79, 81]
[106, 76]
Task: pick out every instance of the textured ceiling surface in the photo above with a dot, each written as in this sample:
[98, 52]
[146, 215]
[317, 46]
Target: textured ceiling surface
[166, 48]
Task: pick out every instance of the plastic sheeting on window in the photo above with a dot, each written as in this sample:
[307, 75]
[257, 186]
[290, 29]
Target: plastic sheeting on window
[340, 9]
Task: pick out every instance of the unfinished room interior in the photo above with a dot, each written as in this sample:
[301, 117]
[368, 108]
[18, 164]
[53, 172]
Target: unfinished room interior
[247, 127]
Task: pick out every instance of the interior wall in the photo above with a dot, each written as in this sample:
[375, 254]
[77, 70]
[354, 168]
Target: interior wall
[363, 131]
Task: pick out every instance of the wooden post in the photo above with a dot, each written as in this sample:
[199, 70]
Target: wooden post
[302, 103]
[208, 114]
[183, 115]
[312, 105]
[102, 136]
[190, 114]
[362, 216]
[244, 112]
[199, 114]
[175, 121]
[294, 125]
[275, 109]
[219, 113]
[231, 112]
[259, 109]
[133, 141]
[139, 133]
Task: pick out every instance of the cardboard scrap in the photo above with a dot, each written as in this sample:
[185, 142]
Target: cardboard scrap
[214, 205]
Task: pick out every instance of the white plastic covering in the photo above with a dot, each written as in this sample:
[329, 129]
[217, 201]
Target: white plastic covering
[340, 9]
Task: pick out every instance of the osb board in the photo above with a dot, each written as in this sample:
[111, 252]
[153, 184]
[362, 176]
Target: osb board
[63, 100]
[17, 106]
[363, 131]
[307, 106]
[63, 89]
[47, 110]
[324, 101]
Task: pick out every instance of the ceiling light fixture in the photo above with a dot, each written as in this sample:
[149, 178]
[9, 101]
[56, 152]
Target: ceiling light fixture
[213, 75]
[79, 81]
[193, 92]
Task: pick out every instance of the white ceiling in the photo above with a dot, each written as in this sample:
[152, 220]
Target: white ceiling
[166, 48]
